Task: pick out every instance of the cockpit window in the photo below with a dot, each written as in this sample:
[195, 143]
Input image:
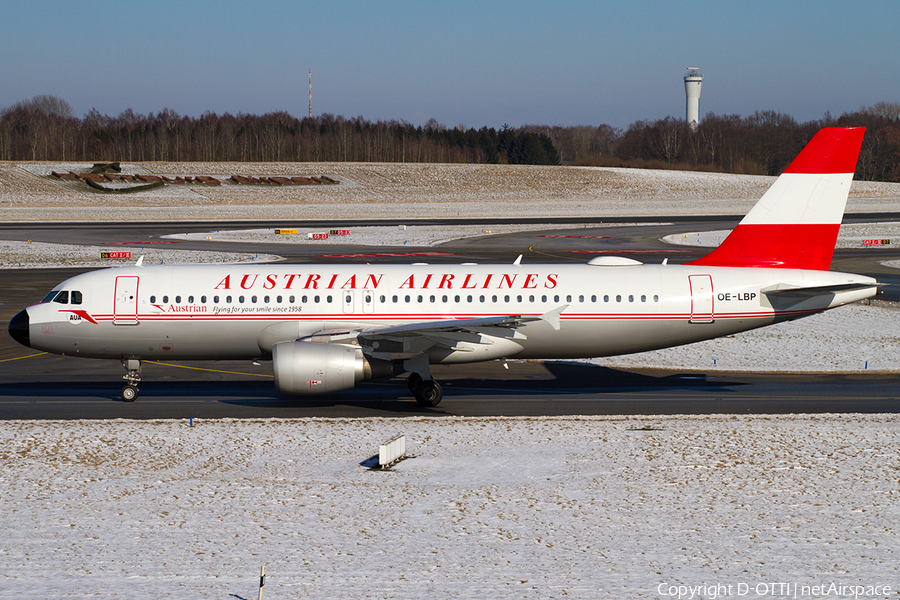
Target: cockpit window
[62, 297]
[50, 296]
[76, 297]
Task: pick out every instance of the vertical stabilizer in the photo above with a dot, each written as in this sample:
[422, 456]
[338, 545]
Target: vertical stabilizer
[795, 224]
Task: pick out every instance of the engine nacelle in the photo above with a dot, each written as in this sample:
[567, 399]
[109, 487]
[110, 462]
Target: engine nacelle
[319, 368]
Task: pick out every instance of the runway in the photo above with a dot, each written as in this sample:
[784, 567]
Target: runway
[51, 387]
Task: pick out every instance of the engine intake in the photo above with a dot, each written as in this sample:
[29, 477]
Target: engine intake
[318, 368]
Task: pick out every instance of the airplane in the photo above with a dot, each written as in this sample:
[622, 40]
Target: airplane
[328, 327]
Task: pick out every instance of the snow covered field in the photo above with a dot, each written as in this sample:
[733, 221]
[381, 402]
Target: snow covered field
[38, 255]
[488, 508]
[395, 190]
[851, 235]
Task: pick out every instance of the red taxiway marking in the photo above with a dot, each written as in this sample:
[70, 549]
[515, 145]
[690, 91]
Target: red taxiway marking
[622, 251]
[375, 255]
[587, 237]
[135, 243]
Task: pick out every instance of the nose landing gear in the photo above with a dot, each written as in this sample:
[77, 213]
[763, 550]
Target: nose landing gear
[132, 377]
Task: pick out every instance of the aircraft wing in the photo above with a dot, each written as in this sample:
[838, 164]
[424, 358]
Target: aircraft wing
[494, 335]
[460, 325]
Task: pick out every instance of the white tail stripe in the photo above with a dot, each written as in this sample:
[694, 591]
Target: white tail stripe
[825, 194]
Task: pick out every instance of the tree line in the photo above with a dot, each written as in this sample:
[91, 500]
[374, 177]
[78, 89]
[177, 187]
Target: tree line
[763, 143]
[45, 129]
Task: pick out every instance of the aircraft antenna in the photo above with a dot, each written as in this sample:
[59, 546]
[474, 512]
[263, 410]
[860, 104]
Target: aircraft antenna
[310, 93]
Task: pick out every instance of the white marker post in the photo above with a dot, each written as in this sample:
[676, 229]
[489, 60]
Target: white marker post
[262, 581]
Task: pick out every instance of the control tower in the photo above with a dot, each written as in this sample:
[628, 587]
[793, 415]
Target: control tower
[693, 79]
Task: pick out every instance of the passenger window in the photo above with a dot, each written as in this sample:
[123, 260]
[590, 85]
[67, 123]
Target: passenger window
[293, 298]
[543, 298]
[303, 300]
[643, 298]
[316, 299]
[556, 298]
[481, 298]
[419, 299]
[215, 299]
[518, 298]
[593, 297]
[382, 298]
[395, 299]
[431, 299]
[279, 299]
[166, 299]
[531, 298]
[152, 299]
[253, 299]
[62, 297]
[456, 298]
[178, 300]
[655, 298]
[581, 298]
[406, 298]
[606, 298]
[76, 297]
[328, 299]
[630, 298]
[227, 299]
[618, 298]
[240, 299]
[202, 299]
[190, 299]
[469, 298]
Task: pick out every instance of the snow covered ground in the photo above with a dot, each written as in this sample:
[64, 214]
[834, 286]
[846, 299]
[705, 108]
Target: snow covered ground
[38, 255]
[396, 190]
[851, 235]
[489, 508]
[858, 337]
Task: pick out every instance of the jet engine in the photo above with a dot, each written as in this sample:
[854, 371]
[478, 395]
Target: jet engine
[319, 368]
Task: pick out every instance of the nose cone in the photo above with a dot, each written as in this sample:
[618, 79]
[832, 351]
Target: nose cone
[18, 328]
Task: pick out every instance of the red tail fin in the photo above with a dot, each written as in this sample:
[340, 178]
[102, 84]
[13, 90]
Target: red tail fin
[795, 224]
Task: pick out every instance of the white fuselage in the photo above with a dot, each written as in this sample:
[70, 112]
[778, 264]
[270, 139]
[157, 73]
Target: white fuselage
[240, 311]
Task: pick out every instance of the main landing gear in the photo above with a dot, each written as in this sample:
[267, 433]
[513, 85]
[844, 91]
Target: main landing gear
[132, 377]
[426, 391]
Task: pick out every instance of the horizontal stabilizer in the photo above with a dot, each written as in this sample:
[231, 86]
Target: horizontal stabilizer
[791, 291]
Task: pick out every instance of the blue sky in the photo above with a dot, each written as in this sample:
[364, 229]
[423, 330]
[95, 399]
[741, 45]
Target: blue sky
[461, 62]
